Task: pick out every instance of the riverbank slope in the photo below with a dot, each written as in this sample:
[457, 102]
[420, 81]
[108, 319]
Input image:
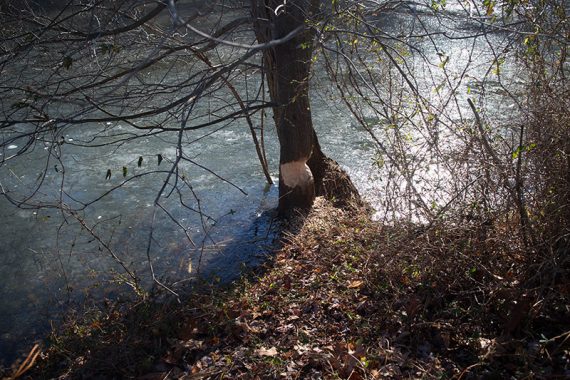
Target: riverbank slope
[344, 298]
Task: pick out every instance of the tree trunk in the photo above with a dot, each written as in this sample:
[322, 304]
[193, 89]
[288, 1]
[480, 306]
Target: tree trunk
[302, 165]
[287, 69]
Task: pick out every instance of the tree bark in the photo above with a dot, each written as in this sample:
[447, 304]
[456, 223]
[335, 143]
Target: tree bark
[302, 165]
[287, 70]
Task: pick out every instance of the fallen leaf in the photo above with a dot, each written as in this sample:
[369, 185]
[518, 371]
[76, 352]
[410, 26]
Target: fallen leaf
[356, 284]
[284, 328]
[266, 352]
[301, 348]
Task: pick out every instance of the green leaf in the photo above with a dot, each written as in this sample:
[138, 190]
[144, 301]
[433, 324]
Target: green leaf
[516, 153]
[521, 149]
[438, 4]
[498, 63]
[490, 5]
[438, 88]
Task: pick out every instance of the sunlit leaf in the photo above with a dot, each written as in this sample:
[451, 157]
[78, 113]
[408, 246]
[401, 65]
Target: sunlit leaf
[266, 352]
[521, 149]
[516, 153]
[356, 284]
[438, 4]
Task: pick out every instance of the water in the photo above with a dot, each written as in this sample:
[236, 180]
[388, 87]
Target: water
[49, 263]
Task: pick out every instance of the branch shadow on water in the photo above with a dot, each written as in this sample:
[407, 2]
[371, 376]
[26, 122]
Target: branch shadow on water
[245, 243]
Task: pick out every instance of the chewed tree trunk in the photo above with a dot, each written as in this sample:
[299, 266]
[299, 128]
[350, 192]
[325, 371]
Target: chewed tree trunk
[287, 69]
[302, 165]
